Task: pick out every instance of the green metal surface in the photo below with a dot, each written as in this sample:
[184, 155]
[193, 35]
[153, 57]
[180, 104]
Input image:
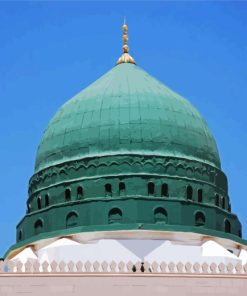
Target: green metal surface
[119, 227]
[127, 151]
[126, 111]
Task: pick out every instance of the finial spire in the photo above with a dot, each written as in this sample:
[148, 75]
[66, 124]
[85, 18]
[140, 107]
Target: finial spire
[125, 57]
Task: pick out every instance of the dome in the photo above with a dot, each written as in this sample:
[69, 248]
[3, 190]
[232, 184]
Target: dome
[127, 153]
[126, 111]
[128, 158]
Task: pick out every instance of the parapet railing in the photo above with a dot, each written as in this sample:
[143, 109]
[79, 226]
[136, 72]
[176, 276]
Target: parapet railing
[35, 266]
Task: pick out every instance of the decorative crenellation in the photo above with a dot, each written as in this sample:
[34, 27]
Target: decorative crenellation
[100, 167]
[50, 185]
[35, 266]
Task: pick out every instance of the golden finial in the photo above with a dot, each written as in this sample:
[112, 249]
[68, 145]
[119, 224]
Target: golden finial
[125, 57]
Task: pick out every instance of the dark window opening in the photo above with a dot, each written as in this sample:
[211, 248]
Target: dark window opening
[150, 188]
[200, 195]
[229, 208]
[164, 190]
[142, 267]
[47, 200]
[28, 208]
[200, 219]
[108, 190]
[115, 216]
[20, 235]
[240, 233]
[71, 219]
[39, 202]
[223, 202]
[160, 215]
[67, 195]
[217, 200]
[38, 226]
[227, 226]
[79, 192]
[189, 192]
[121, 188]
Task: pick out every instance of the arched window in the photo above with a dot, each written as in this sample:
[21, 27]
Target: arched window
[164, 190]
[47, 200]
[121, 188]
[227, 226]
[223, 202]
[39, 202]
[79, 192]
[38, 226]
[67, 194]
[29, 208]
[115, 216]
[108, 190]
[71, 219]
[151, 188]
[160, 215]
[20, 235]
[200, 219]
[189, 192]
[217, 200]
[199, 195]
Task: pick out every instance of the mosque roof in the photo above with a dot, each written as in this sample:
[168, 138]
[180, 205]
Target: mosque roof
[127, 154]
[126, 111]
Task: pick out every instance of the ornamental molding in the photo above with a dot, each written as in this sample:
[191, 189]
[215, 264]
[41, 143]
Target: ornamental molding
[121, 165]
[34, 266]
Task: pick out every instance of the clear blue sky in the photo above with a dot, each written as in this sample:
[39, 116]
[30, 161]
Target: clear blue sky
[51, 50]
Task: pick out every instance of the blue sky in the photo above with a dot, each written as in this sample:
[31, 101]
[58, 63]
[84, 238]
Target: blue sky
[51, 50]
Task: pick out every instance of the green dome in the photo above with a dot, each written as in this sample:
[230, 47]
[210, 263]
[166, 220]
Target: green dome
[126, 111]
[127, 153]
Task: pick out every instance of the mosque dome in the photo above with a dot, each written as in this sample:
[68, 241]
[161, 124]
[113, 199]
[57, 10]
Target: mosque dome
[126, 111]
[125, 157]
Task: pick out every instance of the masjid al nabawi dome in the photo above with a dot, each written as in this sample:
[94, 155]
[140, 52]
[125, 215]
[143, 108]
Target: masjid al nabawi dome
[128, 170]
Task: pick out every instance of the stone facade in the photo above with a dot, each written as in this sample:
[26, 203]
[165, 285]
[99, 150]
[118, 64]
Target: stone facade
[112, 285]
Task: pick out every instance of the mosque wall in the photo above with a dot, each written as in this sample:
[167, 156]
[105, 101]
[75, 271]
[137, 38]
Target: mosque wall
[121, 284]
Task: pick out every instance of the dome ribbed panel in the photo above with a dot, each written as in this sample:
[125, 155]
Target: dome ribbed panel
[126, 111]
